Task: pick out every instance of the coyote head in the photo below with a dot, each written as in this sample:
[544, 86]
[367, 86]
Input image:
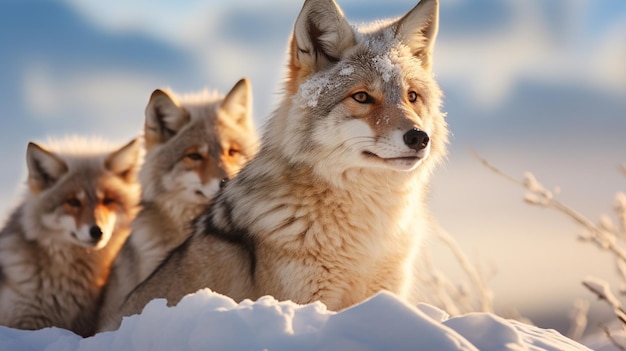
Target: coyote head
[361, 97]
[80, 196]
[193, 143]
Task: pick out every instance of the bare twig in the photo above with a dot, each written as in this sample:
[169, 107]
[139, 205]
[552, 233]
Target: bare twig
[612, 339]
[620, 210]
[579, 319]
[442, 291]
[602, 290]
[605, 235]
[539, 196]
[485, 296]
[494, 169]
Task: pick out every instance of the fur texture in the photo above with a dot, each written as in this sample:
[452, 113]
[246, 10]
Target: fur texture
[194, 143]
[57, 247]
[333, 206]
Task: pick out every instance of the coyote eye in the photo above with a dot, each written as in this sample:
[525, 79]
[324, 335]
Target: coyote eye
[232, 152]
[108, 201]
[412, 96]
[362, 97]
[194, 156]
[72, 202]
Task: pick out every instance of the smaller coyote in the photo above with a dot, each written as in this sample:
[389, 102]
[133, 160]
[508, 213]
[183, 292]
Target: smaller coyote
[57, 247]
[193, 144]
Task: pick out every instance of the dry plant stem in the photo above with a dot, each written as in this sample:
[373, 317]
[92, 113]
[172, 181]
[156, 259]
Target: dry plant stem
[606, 295]
[599, 236]
[442, 287]
[605, 235]
[485, 296]
[612, 339]
[496, 170]
[579, 320]
[620, 209]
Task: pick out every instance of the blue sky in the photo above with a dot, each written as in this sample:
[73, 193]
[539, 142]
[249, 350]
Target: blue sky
[531, 85]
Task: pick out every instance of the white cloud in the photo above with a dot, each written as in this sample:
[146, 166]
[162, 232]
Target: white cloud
[610, 57]
[187, 22]
[531, 48]
[114, 101]
[200, 28]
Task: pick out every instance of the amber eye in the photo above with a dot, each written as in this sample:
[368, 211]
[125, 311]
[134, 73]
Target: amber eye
[362, 97]
[412, 96]
[72, 201]
[232, 152]
[194, 156]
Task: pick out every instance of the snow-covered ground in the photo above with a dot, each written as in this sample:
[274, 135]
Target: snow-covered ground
[207, 320]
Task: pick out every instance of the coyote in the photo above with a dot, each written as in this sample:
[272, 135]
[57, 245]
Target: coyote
[194, 143]
[332, 208]
[57, 247]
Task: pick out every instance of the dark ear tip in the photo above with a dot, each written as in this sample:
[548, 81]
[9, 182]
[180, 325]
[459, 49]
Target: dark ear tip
[32, 145]
[244, 80]
[136, 142]
[157, 93]
[242, 83]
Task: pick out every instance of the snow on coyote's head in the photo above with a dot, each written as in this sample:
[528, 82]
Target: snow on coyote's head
[362, 96]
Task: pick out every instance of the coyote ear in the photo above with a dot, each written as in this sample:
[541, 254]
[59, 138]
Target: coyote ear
[238, 104]
[124, 162]
[418, 29]
[44, 167]
[321, 33]
[164, 118]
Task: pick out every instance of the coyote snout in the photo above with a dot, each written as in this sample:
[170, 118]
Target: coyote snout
[88, 236]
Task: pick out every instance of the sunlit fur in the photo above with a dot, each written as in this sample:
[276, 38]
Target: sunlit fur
[52, 268]
[194, 142]
[333, 206]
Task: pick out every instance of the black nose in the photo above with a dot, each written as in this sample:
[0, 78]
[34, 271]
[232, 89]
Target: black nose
[416, 139]
[95, 232]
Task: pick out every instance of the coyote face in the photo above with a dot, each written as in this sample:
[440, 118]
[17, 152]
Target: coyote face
[79, 198]
[193, 144]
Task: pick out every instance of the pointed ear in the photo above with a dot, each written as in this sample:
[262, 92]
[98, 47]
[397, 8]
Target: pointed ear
[124, 162]
[44, 167]
[320, 36]
[164, 118]
[418, 29]
[238, 104]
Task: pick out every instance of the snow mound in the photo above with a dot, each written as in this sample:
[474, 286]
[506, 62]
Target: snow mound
[207, 320]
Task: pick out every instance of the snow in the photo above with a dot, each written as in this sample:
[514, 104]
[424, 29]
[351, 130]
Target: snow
[385, 66]
[346, 71]
[207, 320]
[310, 91]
